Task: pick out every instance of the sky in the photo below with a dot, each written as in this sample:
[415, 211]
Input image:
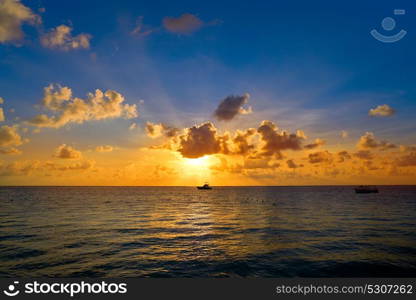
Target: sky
[229, 92]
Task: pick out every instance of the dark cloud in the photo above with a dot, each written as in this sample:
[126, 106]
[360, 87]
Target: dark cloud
[364, 154]
[241, 141]
[275, 141]
[343, 156]
[232, 106]
[320, 157]
[292, 165]
[316, 144]
[154, 130]
[201, 140]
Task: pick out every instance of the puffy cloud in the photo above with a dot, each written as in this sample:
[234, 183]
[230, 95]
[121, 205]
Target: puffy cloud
[275, 141]
[265, 142]
[157, 130]
[231, 107]
[368, 141]
[184, 24]
[1, 100]
[104, 148]
[12, 15]
[9, 136]
[320, 157]
[382, 111]
[364, 154]
[343, 156]
[61, 38]
[344, 134]
[406, 160]
[292, 165]
[316, 144]
[67, 152]
[241, 141]
[201, 140]
[133, 126]
[67, 109]
[2, 118]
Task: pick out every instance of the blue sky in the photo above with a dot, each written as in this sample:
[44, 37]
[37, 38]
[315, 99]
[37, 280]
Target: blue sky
[309, 65]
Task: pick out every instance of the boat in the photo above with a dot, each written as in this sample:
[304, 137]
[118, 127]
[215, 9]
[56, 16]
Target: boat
[366, 189]
[204, 187]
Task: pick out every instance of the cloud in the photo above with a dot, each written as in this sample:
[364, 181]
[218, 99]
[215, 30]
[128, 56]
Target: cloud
[369, 141]
[344, 134]
[404, 148]
[200, 140]
[316, 144]
[275, 141]
[343, 156]
[140, 29]
[157, 130]
[82, 166]
[19, 168]
[382, 111]
[67, 109]
[60, 38]
[364, 154]
[241, 141]
[231, 106]
[104, 148]
[2, 118]
[406, 160]
[320, 157]
[12, 16]
[292, 165]
[265, 142]
[67, 152]
[10, 151]
[133, 126]
[249, 167]
[9, 136]
[79, 165]
[184, 24]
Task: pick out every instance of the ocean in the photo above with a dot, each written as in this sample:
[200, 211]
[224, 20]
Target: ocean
[326, 231]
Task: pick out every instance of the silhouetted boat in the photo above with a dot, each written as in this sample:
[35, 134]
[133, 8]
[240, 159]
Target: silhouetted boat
[366, 189]
[204, 187]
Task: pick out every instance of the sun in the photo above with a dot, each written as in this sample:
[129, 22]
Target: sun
[200, 162]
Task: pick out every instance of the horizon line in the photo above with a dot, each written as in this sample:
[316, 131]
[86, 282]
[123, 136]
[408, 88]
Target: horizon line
[313, 185]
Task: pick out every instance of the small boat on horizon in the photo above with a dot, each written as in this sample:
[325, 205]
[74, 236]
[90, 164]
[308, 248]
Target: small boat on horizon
[366, 189]
[204, 187]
